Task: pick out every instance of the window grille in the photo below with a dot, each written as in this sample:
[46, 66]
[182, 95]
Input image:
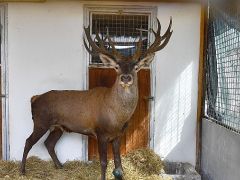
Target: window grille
[222, 101]
[123, 29]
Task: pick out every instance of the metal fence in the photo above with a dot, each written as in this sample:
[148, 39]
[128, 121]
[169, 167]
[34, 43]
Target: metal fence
[222, 103]
[124, 30]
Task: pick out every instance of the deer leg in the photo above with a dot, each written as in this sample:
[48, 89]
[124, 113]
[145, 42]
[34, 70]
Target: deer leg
[102, 150]
[118, 171]
[33, 138]
[50, 143]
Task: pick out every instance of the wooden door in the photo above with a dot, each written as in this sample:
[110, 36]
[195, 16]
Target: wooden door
[137, 133]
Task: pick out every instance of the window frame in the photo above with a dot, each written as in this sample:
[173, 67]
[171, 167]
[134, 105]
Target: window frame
[150, 11]
[4, 81]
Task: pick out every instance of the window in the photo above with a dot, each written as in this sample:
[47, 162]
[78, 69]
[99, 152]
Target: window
[223, 68]
[123, 24]
[124, 30]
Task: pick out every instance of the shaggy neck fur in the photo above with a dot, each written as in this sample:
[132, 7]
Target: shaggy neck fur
[125, 97]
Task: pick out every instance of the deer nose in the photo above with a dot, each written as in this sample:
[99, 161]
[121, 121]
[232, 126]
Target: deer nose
[126, 78]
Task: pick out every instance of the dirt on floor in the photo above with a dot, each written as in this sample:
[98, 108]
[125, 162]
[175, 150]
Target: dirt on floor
[142, 164]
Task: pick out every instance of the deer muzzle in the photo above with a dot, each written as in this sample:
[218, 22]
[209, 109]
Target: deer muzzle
[126, 80]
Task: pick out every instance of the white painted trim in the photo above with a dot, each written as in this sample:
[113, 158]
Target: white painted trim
[127, 9]
[5, 108]
[153, 86]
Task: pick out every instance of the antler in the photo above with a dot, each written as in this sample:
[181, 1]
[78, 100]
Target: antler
[160, 41]
[138, 53]
[97, 49]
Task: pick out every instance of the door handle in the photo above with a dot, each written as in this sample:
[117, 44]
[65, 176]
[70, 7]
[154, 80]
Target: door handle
[149, 98]
[2, 95]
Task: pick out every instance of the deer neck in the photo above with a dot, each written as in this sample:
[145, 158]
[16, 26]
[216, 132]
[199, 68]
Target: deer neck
[124, 99]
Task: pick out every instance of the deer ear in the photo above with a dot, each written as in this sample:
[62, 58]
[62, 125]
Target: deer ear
[107, 61]
[144, 62]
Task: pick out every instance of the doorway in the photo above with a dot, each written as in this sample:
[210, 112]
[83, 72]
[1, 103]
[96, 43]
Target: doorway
[123, 27]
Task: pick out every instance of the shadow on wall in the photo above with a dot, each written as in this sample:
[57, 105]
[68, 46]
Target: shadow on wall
[175, 107]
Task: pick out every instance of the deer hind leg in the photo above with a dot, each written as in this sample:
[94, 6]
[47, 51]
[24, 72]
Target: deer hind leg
[37, 133]
[118, 171]
[50, 143]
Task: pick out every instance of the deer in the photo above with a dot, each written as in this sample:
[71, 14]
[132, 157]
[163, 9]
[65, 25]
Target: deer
[100, 112]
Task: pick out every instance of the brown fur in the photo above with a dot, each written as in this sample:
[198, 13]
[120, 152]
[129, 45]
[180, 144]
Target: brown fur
[34, 98]
[100, 112]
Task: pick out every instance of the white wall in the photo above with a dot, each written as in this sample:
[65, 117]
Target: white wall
[46, 52]
[177, 84]
[220, 158]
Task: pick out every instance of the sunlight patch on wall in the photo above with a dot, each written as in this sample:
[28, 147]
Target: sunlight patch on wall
[180, 108]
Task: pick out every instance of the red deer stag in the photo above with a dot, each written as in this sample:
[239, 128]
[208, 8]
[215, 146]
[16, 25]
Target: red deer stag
[100, 112]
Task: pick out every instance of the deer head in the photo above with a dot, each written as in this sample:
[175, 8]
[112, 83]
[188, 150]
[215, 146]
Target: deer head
[126, 67]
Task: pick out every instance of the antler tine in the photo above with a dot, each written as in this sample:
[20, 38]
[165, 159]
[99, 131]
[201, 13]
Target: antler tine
[89, 51]
[111, 44]
[138, 52]
[166, 37]
[115, 53]
[156, 46]
[91, 42]
[95, 48]
[157, 36]
[168, 30]
[100, 41]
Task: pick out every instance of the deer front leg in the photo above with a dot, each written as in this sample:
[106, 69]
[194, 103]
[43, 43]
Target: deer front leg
[118, 171]
[102, 150]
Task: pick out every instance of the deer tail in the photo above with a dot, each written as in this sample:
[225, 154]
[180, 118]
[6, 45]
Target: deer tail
[34, 98]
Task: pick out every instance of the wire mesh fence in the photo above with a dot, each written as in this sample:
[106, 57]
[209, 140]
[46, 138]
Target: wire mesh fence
[223, 66]
[124, 30]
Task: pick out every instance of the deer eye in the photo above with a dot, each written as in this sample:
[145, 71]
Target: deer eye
[136, 68]
[117, 67]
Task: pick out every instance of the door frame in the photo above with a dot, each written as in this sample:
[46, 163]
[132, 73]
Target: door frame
[4, 79]
[134, 9]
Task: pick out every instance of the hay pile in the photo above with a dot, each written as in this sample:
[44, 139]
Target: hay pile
[139, 164]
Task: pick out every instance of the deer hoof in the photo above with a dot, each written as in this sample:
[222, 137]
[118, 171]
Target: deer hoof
[118, 174]
[22, 172]
[58, 166]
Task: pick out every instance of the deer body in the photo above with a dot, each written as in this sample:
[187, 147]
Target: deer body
[104, 109]
[100, 112]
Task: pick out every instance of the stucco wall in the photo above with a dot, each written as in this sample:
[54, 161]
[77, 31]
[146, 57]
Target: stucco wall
[46, 52]
[177, 84]
[220, 152]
